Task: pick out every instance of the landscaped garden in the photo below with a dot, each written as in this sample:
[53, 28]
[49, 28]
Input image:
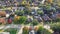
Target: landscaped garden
[29, 17]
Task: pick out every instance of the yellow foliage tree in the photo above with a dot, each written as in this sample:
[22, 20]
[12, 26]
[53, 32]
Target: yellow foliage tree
[23, 2]
[50, 1]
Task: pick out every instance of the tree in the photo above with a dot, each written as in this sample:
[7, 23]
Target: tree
[40, 12]
[20, 20]
[34, 22]
[2, 0]
[20, 13]
[42, 30]
[55, 27]
[25, 30]
[23, 3]
[50, 1]
[47, 9]
[27, 11]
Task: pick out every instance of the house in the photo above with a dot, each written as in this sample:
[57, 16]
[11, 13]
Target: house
[14, 8]
[53, 17]
[34, 10]
[38, 17]
[46, 18]
[21, 8]
[8, 11]
[2, 3]
[29, 18]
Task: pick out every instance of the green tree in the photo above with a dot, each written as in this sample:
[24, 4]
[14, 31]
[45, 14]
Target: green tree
[19, 13]
[55, 27]
[27, 10]
[11, 30]
[42, 30]
[25, 30]
[22, 19]
[34, 22]
[40, 12]
[2, 0]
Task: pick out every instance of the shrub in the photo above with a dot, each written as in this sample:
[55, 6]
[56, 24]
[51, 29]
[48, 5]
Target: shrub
[55, 27]
[19, 13]
[21, 20]
[42, 30]
[34, 22]
[25, 30]
[11, 30]
[45, 31]
[40, 12]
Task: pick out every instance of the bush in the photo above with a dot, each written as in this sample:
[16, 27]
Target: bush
[58, 19]
[19, 13]
[40, 12]
[35, 22]
[45, 31]
[55, 27]
[21, 20]
[11, 30]
[42, 30]
[27, 10]
[16, 18]
[25, 30]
